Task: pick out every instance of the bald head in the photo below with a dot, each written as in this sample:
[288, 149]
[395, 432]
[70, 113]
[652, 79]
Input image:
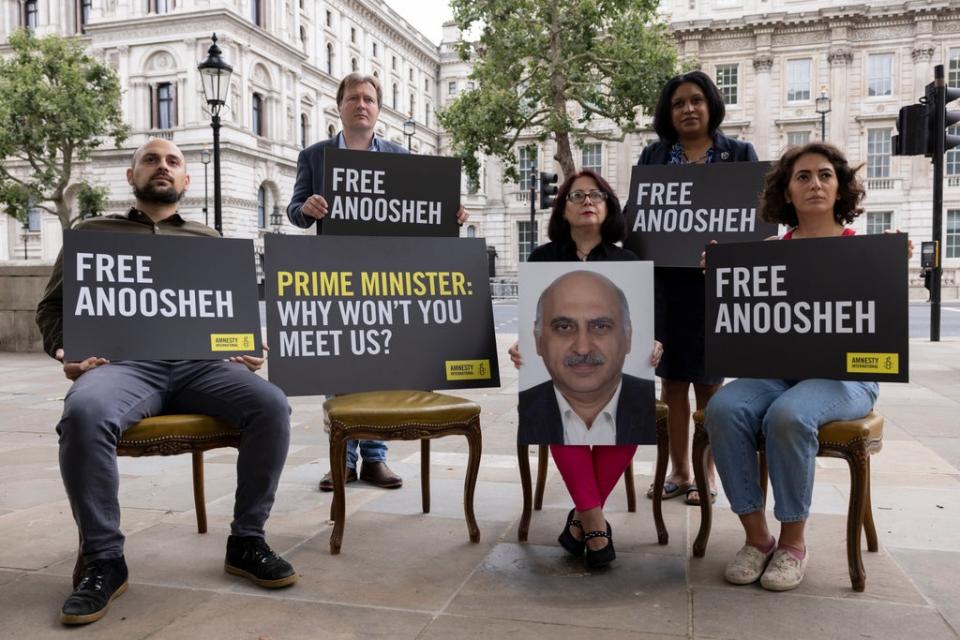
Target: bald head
[587, 279]
[158, 174]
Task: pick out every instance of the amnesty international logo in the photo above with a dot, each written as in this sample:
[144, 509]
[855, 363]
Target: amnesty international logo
[883, 363]
[231, 341]
[468, 369]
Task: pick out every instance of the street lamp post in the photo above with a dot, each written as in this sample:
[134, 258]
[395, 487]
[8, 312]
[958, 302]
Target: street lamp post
[823, 108]
[409, 129]
[26, 237]
[215, 77]
[276, 220]
[205, 159]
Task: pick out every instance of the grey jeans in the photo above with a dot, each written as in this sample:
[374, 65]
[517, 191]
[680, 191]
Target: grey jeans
[106, 401]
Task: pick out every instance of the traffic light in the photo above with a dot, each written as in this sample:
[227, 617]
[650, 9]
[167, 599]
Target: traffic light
[548, 189]
[939, 119]
[912, 131]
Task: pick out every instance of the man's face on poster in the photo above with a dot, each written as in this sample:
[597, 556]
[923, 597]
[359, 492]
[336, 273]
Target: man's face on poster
[583, 335]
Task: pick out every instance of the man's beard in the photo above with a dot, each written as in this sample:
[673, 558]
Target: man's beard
[150, 193]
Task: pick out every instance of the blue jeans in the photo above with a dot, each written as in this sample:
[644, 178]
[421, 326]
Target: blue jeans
[789, 415]
[371, 450]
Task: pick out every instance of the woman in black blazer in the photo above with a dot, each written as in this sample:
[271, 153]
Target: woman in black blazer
[687, 120]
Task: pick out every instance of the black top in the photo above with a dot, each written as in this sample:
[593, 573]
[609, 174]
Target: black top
[567, 252]
[725, 150]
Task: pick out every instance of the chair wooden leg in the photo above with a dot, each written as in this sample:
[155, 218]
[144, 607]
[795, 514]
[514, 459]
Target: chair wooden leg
[199, 502]
[659, 477]
[78, 566]
[475, 447]
[629, 485]
[523, 460]
[425, 474]
[543, 461]
[868, 526]
[338, 469]
[856, 456]
[701, 444]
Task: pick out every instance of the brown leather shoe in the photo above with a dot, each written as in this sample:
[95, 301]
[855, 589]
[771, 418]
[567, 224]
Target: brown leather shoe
[379, 473]
[326, 482]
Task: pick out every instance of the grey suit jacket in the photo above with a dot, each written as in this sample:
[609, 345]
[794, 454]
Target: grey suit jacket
[310, 177]
[540, 421]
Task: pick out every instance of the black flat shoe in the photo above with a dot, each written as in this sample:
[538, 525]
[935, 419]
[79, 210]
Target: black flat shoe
[567, 541]
[600, 557]
[101, 582]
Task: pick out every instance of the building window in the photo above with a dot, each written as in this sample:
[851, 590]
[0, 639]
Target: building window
[353, 35]
[413, 104]
[471, 231]
[304, 130]
[798, 80]
[953, 67]
[262, 208]
[303, 36]
[393, 62]
[164, 107]
[329, 59]
[162, 6]
[526, 239]
[258, 119]
[396, 96]
[374, 49]
[452, 88]
[591, 157]
[426, 84]
[331, 131]
[727, 80]
[797, 138]
[471, 85]
[34, 218]
[878, 153]
[329, 18]
[410, 73]
[879, 221]
[953, 234]
[256, 12]
[528, 168]
[880, 74]
[952, 161]
[31, 15]
[84, 10]
[426, 114]
[353, 65]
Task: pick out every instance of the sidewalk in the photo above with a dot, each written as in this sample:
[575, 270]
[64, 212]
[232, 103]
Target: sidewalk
[403, 574]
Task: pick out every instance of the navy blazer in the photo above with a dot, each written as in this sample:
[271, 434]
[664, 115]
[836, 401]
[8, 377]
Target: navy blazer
[310, 177]
[724, 150]
[540, 421]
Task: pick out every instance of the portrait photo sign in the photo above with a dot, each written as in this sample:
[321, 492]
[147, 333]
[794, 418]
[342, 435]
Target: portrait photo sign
[815, 308]
[366, 314]
[390, 194]
[152, 297]
[674, 210]
[579, 315]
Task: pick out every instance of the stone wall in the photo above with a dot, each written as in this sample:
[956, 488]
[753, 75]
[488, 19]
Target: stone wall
[21, 288]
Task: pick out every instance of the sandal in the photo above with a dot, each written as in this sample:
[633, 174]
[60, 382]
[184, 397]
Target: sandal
[567, 541]
[671, 489]
[696, 501]
[600, 557]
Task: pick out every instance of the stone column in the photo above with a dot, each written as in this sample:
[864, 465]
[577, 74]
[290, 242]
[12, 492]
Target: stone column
[762, 64]
[839, 57]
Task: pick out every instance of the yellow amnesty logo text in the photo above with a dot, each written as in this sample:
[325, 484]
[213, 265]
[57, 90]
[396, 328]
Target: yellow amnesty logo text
[231, 341]
[468, 369]
[888, 363]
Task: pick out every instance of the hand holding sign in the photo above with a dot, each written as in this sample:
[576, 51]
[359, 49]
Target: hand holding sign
[315, 207]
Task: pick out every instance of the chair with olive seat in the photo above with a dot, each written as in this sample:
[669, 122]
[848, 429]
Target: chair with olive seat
[401, 415]
[171, 435]
[852, 440]
[660, 474]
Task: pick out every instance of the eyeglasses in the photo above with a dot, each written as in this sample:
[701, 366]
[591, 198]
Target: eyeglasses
[596, 196]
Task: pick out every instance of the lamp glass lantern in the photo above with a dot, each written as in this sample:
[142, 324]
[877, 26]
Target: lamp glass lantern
[215, 77]
[276, 220]
[823, 102]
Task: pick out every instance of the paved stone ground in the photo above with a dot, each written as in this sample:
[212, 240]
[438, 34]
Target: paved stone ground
[403, 574]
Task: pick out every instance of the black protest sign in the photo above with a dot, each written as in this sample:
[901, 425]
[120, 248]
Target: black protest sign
[390, 194]
[816, 308]
[150, 297]
[674, 210]
[363, 314]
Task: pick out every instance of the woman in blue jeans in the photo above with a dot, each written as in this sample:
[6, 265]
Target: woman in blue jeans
[813, 190]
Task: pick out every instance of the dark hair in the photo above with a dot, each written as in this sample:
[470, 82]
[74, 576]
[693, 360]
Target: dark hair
[614, 227]
[773, 200]
[663, 115]
[353, 79]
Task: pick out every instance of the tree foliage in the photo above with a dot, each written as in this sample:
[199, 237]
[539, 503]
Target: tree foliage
[91, 200]
[57, 104]
[553, 68]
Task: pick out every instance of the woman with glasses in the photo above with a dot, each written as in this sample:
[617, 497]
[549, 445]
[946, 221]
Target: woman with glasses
[687, 120]
[585, 223]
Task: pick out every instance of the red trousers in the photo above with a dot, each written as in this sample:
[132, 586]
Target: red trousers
[591, 473]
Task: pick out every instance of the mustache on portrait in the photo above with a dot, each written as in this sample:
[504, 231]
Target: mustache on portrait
[590, 358]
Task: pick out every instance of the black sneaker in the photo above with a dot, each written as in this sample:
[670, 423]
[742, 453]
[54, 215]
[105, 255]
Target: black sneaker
[101, 582]
[252, 558]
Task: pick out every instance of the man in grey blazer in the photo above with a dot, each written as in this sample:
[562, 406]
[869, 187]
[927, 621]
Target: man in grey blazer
[359, 98]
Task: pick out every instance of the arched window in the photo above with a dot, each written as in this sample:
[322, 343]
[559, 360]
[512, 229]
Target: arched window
[261, 208]
[331, 131]
[353, 65]
[258, 118]
[304, 129]
[396, 96]
[329, 59]
[471, 231]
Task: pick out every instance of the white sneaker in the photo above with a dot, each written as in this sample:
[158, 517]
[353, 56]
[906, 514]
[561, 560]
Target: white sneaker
[784, 572]
[748, 565]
